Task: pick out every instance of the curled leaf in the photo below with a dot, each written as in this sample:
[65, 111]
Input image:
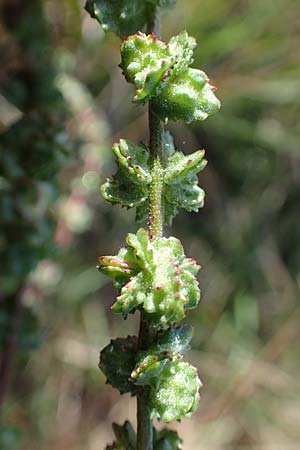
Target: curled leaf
[133, 160]
[168, 346]
[129, 186]
[145, 60]
[177, 392]
[186, 96]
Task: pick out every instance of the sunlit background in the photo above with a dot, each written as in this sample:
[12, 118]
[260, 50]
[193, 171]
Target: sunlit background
[63, 102]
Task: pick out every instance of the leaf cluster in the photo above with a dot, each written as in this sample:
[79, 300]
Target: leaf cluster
[130, 186]
[160, 72]
[173, 384]
[154, 276]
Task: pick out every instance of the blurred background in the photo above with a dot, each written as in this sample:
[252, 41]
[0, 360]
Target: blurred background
[63, 102]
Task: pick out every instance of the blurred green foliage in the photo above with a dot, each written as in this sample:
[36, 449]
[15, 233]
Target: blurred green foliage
[246, 238]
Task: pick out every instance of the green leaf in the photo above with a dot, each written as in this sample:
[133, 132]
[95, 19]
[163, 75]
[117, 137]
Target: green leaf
[181, 188]
[134, 160]
[186, 195]
[181, 48]
[169, 146]
[125, 437]
[117, 361]
[145, 60]
[164, 284]
[119, 190]
[123, 17]
[129, 186]
[169, 346]
[186, 96]
[166, 440]
[120, 267]
[180, 165]
[177, 392]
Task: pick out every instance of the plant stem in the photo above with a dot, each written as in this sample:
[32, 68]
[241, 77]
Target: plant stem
[145, 429]
[155, 223]
[156, 210]
[144, 422]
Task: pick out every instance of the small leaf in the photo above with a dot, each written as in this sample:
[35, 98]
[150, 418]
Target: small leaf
[169, 146]
[120, 267]
[186, 195]
[182, 48]
[134, 160]
[181, 182]
[174, 340]
[117, 361]
[120, 16]
[129, 186]
[145, 60]
[186, 96]
[180, 165]
[125, 437]
[119, 190]
[169, 346]
[166, 440]
[177, 392]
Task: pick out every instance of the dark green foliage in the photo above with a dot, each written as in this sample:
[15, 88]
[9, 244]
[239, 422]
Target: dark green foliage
[126, 439]
[117, 361]
[166, 440]
[123, 17]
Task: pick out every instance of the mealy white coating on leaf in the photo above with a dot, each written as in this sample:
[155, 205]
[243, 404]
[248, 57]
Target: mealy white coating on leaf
[164, 284]
[177, 392]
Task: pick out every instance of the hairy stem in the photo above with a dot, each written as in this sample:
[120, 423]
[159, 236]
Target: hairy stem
[156, 210]
[155, 223]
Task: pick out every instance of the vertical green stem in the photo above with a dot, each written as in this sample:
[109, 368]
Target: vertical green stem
[144, 422]
[156, 210]
[156, 214]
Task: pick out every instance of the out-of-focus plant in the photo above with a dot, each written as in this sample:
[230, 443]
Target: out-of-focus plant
[33, 149]
[152, 272]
